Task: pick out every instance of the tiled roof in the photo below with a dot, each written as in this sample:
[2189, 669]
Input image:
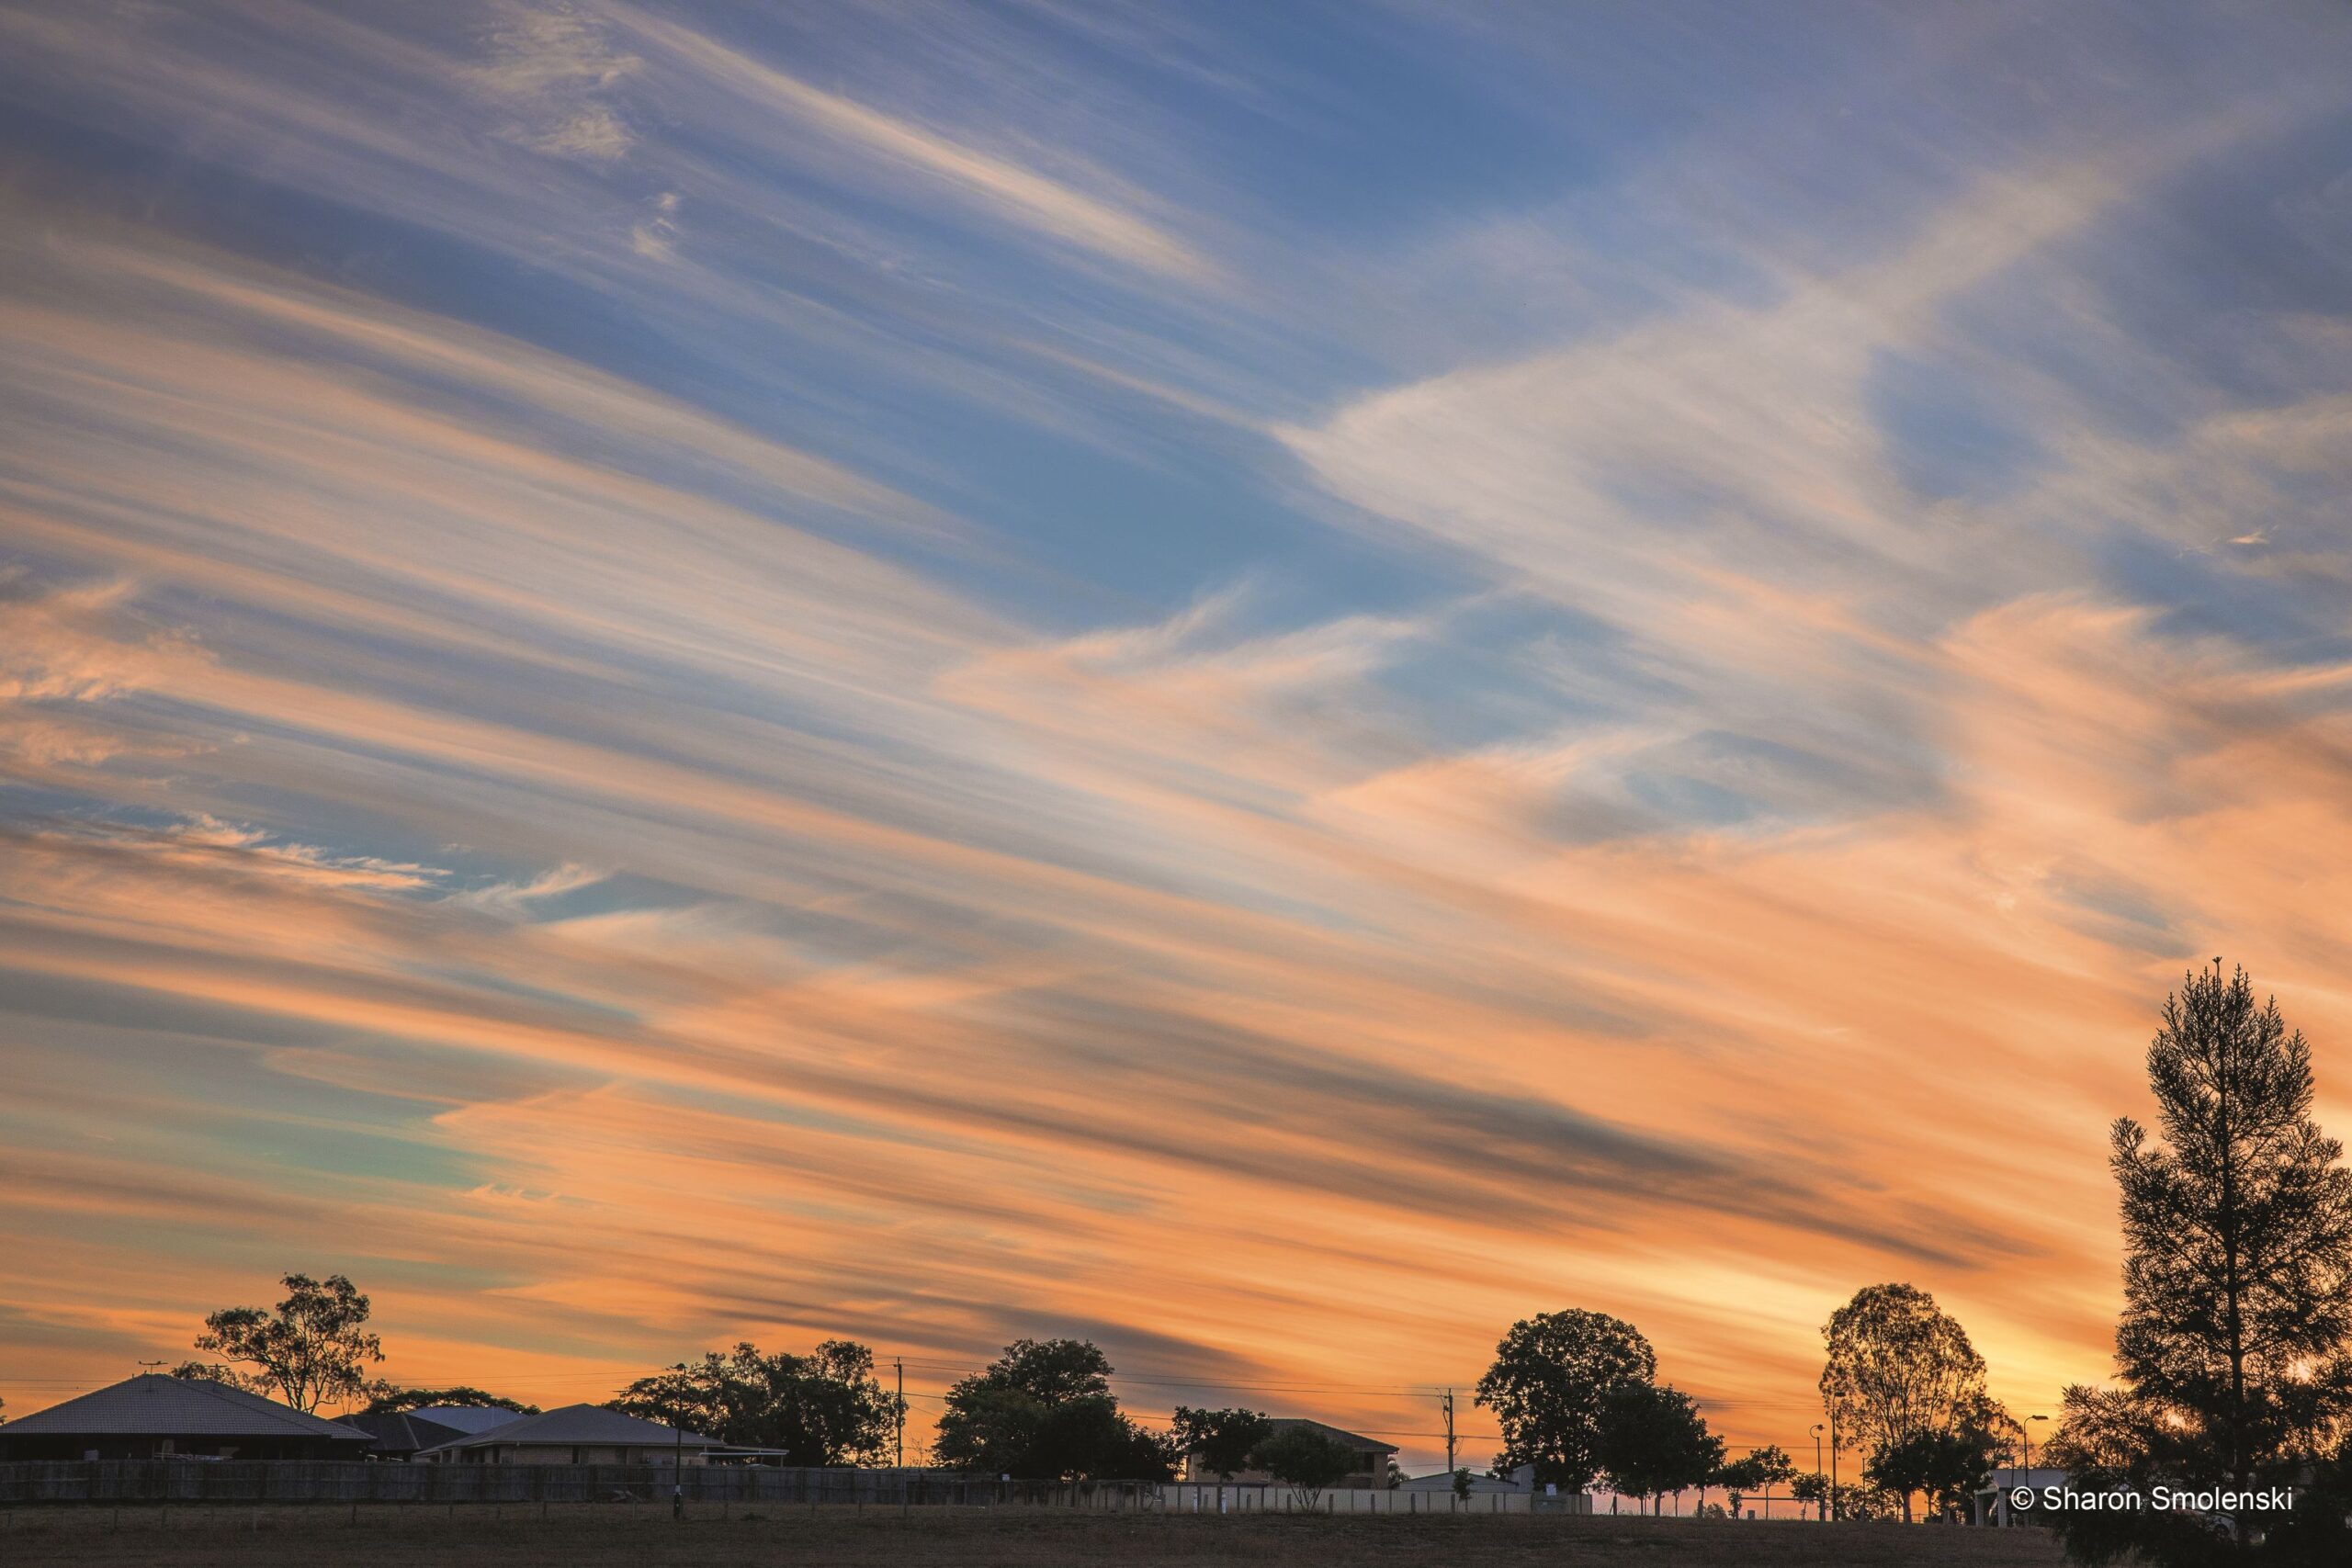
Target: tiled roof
[587, 1425]
[1336, 1434]
[154, 1405]
[466, 1418]
[400, 1432]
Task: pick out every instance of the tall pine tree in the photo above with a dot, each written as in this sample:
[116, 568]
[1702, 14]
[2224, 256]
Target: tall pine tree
[2237, 1233]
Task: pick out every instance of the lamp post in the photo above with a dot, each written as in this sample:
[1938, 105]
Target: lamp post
[1817, 1430]
[2025, 1427]
[1836, 1510]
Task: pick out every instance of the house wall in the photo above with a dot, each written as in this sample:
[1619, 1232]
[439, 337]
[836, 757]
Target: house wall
[564, 1453]
[1371, 1472]
[130, 1446]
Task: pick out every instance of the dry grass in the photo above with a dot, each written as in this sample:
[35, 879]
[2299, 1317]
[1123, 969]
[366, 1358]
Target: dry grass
[591, 1535]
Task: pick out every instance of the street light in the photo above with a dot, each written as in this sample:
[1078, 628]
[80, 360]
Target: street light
[1837, 1510]
[2028, 1429]
[1817, 1430]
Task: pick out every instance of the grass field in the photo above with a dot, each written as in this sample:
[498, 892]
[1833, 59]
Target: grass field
[591, 1535]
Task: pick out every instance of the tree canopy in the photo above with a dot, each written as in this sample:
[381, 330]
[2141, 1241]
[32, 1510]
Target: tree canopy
[1303, 1460]
[312, 1348]
[1949, 1466]
[1899, 1367]
[389, 1400]
[214, 1371]
[824, 1408]
[1044, 1410]
[1652, 1440]
[1758, 1470]
[2231, 1348]
[1551, 1377]
[1052, 1370]
[1220, 1440]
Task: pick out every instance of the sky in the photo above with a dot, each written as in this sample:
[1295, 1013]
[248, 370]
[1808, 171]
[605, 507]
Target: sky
[1270, 683]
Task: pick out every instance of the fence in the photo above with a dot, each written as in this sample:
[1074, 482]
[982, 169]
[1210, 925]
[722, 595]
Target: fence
[254, 1482]
[186, 1481]
[1251, 1498]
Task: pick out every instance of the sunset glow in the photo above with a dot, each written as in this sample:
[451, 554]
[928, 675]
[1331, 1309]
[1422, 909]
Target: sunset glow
[1268, 684]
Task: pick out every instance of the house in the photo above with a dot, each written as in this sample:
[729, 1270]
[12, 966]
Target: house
[1371, 1456]
[153, 1416]
[403, 1434]
[1481, 1485]
[577, 1434]
[1993, 1504]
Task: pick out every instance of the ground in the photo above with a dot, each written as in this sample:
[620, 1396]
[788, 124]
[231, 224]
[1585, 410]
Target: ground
[590, 1536]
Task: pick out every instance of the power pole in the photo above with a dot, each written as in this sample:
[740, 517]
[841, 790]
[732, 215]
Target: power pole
[1449, 1431]
[900, 1362]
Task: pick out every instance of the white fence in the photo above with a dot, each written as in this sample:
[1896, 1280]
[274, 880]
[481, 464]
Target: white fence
[1251, 1498]
[254, 1482]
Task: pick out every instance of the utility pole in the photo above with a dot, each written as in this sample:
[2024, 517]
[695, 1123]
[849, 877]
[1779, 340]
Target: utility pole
[900, 1363]
[1449, 1431]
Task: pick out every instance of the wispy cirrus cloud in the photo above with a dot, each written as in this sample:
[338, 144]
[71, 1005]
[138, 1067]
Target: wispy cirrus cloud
[1003, 187]
[711, 671]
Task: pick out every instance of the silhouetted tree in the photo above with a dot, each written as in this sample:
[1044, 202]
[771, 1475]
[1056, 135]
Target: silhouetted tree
[313, 1348]
[2237, 1278]
[826, 1408]
[1653, 1441]
[1551, 1376]
[2106, 1430]
[1044, 1410]
[1898, 1366]
[1051, 1370]
[1303, 1460]
[1219, 1439]
[395, 1401]
[1845, 1500]
[1759, 1469]
[1950, 1466]
[214, 1371]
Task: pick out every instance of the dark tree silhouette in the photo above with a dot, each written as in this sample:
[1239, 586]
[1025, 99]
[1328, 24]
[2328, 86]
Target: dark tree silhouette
[1051, 1370]
[1220, 1440]
[1044, 1410]
[1551, 1376]
[395, 1401]
[1653, 1441]
[314, 1346]
[1759, 1469]
[2238, 1274]
[1950, 1466]
[214, 1371]
[1898, 1368]
[1845, 1499]
[1303, 1460]
[824, 1408]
